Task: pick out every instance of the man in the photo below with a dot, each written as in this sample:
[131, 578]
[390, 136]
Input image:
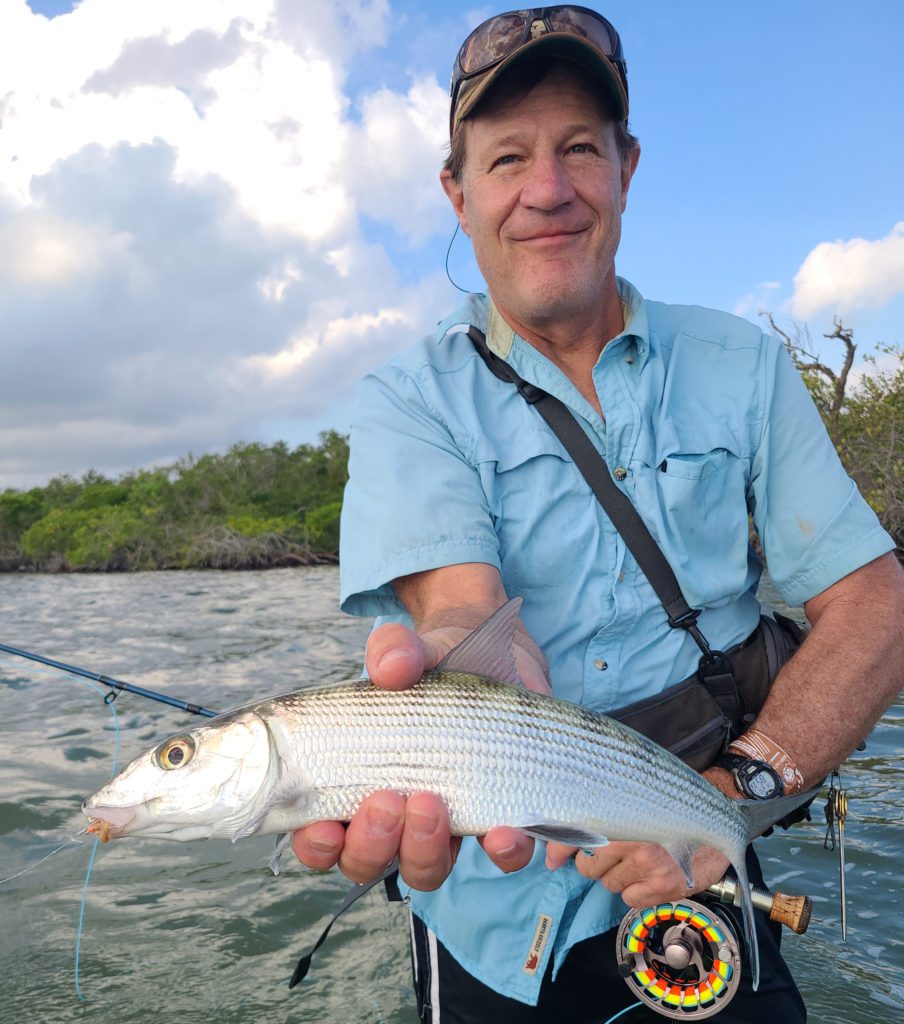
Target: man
[460, 496]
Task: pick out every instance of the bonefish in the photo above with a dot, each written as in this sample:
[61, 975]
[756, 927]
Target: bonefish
[497, 753]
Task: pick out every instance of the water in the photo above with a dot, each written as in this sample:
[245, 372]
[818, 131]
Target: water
[201, 932]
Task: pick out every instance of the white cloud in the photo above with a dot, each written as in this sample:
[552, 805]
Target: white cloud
[341, 332]
[760, 298]
[398, 152]
[845, 275]
[182, 249]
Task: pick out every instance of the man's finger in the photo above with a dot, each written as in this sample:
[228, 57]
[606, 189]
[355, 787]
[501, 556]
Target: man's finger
[558, 854]
[373, 836]
[508, 848]
[396, 657]
[425, 853]
[318, 846]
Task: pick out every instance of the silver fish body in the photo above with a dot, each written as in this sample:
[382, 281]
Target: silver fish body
[498, 754]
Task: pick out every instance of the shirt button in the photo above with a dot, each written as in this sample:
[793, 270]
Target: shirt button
[620, 473]
[600, 665]
[629, 359]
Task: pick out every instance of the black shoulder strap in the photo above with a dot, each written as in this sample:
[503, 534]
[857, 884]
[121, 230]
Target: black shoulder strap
[624, 516]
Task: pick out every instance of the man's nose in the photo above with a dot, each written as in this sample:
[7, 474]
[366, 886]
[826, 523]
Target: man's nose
[548, 185]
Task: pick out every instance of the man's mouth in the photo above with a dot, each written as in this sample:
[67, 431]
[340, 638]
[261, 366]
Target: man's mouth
[551, 237]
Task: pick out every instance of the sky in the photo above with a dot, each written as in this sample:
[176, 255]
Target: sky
[216, 216]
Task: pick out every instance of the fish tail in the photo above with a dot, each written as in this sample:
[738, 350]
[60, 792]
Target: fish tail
[759, 815]
[750, 939]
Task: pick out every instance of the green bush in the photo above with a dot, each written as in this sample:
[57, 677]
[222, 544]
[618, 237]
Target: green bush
[322, 525]
[93, 538]
[255, 526]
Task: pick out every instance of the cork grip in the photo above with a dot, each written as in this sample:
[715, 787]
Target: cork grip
[793, 911]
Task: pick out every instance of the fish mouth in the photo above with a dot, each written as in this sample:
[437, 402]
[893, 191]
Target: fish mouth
[108, 822]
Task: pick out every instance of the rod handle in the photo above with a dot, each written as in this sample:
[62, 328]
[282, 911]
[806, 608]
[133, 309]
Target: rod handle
[792, 911]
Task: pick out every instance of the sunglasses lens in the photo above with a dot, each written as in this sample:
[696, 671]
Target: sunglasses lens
[576, 22]
[492, 41]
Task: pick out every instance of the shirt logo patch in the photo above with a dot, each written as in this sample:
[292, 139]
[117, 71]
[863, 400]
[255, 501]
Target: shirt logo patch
[538, 943]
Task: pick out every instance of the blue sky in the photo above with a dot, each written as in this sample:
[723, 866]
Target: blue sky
[217, 215]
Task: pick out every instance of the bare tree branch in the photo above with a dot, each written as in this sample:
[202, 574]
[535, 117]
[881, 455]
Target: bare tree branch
[846, 335]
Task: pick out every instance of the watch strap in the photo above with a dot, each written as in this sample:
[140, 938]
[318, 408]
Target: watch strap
[757, 746]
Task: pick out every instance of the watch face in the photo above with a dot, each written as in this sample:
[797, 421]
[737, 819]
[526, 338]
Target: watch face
[760, 783]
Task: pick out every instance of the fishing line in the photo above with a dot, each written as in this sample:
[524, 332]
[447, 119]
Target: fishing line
[621, 1013]
[71, 841]
[116, 745]
[93, 854]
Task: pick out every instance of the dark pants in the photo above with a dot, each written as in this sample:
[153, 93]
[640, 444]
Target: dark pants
[588, 988]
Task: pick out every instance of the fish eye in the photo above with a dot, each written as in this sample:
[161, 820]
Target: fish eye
[175, 753]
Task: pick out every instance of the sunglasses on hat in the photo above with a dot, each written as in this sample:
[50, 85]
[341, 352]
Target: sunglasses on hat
[505, 34]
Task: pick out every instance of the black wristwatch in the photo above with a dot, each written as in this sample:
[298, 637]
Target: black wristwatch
[755, 779]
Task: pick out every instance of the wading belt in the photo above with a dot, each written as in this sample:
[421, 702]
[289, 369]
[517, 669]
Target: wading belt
[695, 718]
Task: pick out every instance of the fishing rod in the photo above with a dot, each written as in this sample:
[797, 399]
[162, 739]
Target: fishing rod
[117, 686]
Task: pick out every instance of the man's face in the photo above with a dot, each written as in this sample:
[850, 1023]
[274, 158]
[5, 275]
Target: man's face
[541, 197]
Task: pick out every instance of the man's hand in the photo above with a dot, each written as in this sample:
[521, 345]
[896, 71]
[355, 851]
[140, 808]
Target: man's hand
[645, 873]
[417, 830]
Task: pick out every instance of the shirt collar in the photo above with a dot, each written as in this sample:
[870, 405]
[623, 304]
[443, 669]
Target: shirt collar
[637, 325]
[500, 337]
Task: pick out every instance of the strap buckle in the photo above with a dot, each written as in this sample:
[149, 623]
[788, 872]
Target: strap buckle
[686, 620]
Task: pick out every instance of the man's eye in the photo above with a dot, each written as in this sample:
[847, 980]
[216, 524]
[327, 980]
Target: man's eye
[505, 160]
[582, 147]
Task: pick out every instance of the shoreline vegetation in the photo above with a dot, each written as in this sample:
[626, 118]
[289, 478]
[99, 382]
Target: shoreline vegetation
[254, 507]
[265, 507]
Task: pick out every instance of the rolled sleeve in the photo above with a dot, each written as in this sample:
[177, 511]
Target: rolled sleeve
[413, 500]
[814, 525]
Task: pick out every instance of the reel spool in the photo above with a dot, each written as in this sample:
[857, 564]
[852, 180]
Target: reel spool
[680, 959]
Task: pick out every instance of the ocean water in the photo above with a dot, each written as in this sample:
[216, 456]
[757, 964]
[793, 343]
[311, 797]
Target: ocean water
[202, 931]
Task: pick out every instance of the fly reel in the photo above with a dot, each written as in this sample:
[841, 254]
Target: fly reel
[681, 959]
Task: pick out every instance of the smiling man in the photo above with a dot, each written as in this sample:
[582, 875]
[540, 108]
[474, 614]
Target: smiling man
[461, 495]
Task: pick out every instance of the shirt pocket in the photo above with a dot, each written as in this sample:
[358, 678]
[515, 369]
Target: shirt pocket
[691, 466]
[542, 510]
[695, 503]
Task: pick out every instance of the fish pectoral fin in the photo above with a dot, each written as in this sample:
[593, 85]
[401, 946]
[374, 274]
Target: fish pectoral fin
[250, 826]
[683, 855]
[490, 649]
[570, 835]
[283, 841]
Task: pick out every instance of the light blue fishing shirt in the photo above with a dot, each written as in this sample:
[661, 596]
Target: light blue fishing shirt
[709, 420]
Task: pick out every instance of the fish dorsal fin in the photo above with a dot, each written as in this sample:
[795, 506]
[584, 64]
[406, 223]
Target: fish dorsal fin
[490, 649]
